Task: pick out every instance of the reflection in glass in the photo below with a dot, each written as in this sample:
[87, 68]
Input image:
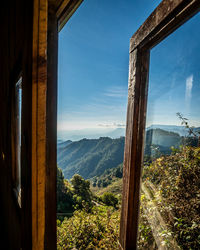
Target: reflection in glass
[170, 188]
[17, 139]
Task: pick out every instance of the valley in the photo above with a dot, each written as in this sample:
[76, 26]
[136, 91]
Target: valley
[91, 157]
[89, 195]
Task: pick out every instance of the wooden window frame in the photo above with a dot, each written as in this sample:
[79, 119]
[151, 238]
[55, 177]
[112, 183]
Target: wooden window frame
[49, 18]
[166, 18]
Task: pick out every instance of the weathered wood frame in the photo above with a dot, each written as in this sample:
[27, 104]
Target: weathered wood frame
[49, 17]
[167, 17]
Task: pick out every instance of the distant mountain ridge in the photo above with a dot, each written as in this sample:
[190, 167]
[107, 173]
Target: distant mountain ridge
[116, 132]
[162, 137]
[62, 144]
[76, 135]
[90, 157]
[181, 130]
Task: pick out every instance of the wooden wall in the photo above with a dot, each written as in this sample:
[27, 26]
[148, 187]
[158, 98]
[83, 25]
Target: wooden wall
[28, 43]
[15, 55]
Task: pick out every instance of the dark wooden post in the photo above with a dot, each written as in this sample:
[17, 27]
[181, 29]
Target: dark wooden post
[133, 154]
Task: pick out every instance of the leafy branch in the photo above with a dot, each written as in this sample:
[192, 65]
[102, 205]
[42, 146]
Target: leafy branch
[184, 121]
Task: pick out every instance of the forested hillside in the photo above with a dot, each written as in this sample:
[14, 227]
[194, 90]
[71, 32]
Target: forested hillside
[90, 157]
[170, 198]
[181, 130]
[162, 137]
[62, 144]
[169, 209]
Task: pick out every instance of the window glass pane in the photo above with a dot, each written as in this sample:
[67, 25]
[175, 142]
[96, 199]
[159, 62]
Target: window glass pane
[18, 118]
[170, 188]
[92, 96]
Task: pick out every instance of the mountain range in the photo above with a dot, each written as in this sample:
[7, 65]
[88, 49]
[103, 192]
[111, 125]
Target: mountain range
[76, 135]
[91, 157]
[181, 130]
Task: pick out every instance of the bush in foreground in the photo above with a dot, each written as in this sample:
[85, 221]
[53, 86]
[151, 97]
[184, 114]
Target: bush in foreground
[109, 199]
[96, 230]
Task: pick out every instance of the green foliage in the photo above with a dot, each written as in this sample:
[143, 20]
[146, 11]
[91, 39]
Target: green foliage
[72, 196]
[108, 177]
[169, 211]
[145, 239]
[82, 194]
[192, 139]
[115, 187]
[171, 191]
[119, 172]
[98, 229]
[109, 199]
[65, 200]
[192, 131]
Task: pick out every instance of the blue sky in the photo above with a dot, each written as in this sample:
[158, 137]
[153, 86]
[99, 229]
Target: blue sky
[174, 78]
[93, 67]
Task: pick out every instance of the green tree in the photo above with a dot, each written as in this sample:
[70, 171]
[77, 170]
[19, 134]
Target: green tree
[109, 199]
[118, 172]
[81, 190]
[65, 201]
[99, 183]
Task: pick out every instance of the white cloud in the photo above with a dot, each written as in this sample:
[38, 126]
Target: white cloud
[112, 125]
[188, 91]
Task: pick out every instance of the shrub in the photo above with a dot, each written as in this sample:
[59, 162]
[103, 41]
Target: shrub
[172, 183]
[96, 230]
[109, 199]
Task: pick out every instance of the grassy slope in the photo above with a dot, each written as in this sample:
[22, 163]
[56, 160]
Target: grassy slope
[115, 187]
